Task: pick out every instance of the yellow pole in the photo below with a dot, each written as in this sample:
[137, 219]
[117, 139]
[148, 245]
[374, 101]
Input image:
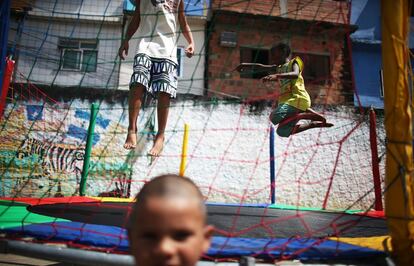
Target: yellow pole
[399, 205]
[184, 151]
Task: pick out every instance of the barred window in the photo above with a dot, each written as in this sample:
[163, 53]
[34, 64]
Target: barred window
[316, 68]
[180, 56]
[78, 54]
[254, 55]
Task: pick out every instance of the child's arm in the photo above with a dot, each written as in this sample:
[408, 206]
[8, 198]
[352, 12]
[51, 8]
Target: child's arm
[132, 28]
[185, 28]
[294, 74]
[254, 66]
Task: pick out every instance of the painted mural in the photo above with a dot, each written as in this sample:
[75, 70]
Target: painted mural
[56, 160]
[43, 148]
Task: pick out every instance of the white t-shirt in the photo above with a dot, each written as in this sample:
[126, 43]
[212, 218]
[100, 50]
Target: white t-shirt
[157, 28]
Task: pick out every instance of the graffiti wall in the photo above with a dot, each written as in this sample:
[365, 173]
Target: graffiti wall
[43, 146]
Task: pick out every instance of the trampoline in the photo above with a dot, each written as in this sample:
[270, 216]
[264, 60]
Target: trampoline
[263, 231]
[246, 221]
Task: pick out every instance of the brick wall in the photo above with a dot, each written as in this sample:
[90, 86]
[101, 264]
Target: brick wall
[263, 32]
[325, 10]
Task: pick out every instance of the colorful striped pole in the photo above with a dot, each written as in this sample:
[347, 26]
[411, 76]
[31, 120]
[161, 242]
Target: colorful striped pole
[184, 151]
[88, 148]
[272, 164]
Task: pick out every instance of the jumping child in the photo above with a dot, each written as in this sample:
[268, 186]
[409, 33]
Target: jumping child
[155, 63]
[293, 101]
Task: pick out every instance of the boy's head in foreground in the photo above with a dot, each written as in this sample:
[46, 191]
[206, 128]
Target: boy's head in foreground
[280, 53]
[168, 223]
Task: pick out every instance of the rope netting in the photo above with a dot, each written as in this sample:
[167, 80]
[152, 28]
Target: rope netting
[66, 56]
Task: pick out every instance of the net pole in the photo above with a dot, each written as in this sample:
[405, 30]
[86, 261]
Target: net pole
[6, 83]
[399, 204]
[272, 164]
[374, 158]
[184, 151]
[88, 148]
[4, 33]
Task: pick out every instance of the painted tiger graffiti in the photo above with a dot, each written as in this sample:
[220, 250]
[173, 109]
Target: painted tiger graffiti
[55, 159]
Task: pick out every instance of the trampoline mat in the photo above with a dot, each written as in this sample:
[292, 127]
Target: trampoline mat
[234, 221]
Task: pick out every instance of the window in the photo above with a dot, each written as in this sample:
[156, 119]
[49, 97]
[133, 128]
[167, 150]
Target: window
[78, 54]
[180, 56]
[254, 55]
[316, 68]
[411, 6]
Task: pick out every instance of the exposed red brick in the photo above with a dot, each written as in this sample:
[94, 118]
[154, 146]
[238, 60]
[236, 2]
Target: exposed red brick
[327, 10]
[264, 31]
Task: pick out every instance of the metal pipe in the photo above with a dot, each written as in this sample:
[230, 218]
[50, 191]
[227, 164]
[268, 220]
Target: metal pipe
[63, 254]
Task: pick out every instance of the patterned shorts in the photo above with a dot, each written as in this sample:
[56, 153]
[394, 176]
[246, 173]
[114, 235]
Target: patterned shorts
[155, 74]
[284, 115]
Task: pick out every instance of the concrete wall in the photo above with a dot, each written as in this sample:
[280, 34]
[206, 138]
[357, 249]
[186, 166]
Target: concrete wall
[228, 154]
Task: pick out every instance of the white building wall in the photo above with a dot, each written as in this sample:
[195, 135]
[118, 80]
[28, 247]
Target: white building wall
[39, 55]
[110, 10]
[229, 158]
[228, 153]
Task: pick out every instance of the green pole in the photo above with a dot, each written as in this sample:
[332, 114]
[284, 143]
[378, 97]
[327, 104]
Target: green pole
[88, 149]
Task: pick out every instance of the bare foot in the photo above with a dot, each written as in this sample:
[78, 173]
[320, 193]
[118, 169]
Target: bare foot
[321, 124]
[318, 116]
[157, 147]
[131, 140]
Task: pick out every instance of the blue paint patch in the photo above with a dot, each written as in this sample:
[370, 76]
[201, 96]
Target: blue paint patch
[34, 112]
[82, 134]
[100, 121]
[196, 7]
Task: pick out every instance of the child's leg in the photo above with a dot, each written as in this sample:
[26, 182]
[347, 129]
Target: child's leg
[318, 116]
[134, 105]
[138, 84]
[310, 114]
[313, 124]
[162, 114]
[287, 125]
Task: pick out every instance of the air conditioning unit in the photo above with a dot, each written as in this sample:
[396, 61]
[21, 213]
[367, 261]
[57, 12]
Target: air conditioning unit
[228, 39]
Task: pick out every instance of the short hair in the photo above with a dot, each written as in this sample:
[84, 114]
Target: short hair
[284, 48]
[169, 185]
